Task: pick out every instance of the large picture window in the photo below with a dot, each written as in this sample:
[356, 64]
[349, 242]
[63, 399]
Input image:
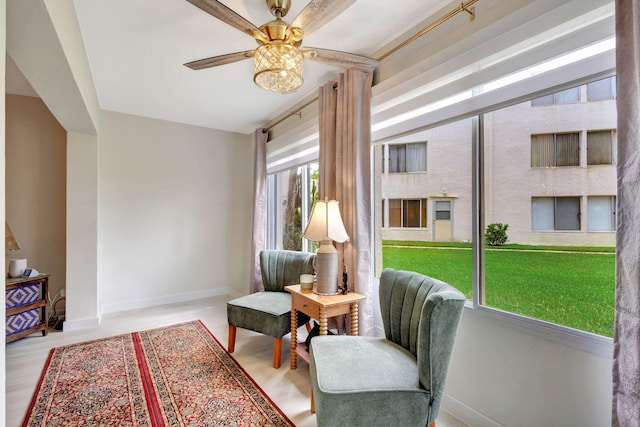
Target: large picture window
[556, 268]
[558, 262]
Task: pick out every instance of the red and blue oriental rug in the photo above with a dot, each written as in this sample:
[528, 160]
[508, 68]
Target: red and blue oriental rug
[178, 375]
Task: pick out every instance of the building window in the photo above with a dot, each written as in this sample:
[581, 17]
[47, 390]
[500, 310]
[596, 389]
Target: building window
[601, 213]
[555, 149]
[555, 213]
[408, 157]
[564, 97]
[408, 213]
[600, 147]
[443, 210]
[602, 89]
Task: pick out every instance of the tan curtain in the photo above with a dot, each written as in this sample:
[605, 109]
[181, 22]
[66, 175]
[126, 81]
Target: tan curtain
[259, 239]
[626, 341]
[345, 165]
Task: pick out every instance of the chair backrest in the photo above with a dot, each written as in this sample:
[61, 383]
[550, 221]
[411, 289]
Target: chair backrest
[281, 268]
[422, 315]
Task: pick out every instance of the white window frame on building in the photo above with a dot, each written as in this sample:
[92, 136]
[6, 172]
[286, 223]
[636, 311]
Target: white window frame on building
[602, 90]
[566, 96]
[601, 147]
[601, 213]
[555, 149]
[406, 158]
[406, 214]
[555, 213]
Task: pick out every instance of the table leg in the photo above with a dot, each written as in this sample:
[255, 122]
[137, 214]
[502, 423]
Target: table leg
[294, 337]
[323, 321]
[354, 318]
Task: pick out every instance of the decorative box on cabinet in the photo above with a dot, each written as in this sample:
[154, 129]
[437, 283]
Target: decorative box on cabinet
[26, 302]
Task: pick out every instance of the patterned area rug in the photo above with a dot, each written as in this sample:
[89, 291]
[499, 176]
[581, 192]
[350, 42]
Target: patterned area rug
[174, 376]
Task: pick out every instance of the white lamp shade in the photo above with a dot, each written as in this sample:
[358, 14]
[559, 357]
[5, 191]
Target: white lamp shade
[326, 223]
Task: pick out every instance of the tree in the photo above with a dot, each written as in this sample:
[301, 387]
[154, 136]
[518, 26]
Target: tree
[292, 233]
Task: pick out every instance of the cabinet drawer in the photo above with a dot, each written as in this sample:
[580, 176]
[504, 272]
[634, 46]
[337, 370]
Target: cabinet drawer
[21, 321]
[23, 295]
[305, 306]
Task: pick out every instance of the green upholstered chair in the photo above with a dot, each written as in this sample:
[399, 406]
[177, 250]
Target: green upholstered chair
[392, 381]
[269, 311]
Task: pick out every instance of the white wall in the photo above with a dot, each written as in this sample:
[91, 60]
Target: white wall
[82, 298]
[174, 211]
[502, 374]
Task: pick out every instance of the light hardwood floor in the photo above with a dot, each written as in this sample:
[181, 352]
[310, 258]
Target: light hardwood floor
[289, 389]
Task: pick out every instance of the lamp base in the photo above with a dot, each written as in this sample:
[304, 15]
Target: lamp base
[326, 269]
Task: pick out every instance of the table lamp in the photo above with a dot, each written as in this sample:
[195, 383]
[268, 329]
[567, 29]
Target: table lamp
[326, 226]
[10, 244]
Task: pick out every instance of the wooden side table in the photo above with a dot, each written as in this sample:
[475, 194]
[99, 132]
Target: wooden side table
[319, 307]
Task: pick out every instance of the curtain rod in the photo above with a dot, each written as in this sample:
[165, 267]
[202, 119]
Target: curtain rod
[464, 7]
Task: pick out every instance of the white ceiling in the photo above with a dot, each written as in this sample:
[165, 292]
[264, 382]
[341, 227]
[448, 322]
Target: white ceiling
[136, 49]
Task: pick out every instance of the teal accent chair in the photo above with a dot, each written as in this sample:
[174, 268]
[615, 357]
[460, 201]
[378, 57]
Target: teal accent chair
[397, 380]
[269, 312]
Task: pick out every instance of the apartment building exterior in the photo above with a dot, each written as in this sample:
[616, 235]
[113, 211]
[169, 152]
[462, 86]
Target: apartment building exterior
[549, 166]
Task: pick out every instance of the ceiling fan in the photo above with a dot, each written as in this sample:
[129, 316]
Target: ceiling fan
[278, 59]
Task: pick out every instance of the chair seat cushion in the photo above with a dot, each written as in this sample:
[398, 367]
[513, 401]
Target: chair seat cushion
[266, 312]
[359, 373]
[355, 358]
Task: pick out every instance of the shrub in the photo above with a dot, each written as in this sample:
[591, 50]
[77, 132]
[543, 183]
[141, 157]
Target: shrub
[496, 234]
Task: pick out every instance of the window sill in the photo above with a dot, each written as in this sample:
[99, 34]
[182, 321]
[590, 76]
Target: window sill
[586, 341]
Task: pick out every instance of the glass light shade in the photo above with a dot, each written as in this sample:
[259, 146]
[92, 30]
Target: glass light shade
[326, 223]
[278, 67]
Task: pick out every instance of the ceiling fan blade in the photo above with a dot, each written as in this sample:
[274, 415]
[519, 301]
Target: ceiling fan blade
[226, 15]
[215, 61]
[343, 59]
[318, 13]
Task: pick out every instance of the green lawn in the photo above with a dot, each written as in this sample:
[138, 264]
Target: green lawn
[570, 286]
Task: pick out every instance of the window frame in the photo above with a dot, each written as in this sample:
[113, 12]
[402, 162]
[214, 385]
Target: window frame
[556, 212]
[403, 203]
[583, 340]
[388, 163]
[555, 160]
[556, 98]
[611, 147]
[613, 85]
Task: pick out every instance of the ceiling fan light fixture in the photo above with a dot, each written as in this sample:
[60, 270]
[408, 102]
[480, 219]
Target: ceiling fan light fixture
[278, 67]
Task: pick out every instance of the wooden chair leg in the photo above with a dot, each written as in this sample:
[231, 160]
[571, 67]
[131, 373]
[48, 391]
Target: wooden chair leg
[308, 326]
[277, 352]
[231, 346]
[313, 404]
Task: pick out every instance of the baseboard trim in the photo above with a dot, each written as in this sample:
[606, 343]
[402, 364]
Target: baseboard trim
[162, 300]
[76, 325]
[465, 413]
